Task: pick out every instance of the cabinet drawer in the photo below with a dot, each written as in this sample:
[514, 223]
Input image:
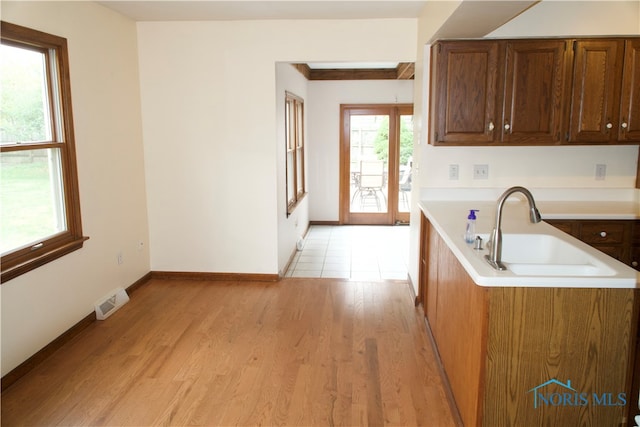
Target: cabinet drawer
[602, 232]
[569, 226]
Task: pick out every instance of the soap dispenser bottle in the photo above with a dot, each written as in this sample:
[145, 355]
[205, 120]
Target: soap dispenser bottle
[470, 232]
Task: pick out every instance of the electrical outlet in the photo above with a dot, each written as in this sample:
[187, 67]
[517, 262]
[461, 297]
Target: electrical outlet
[120, 258]
[601, 172]
[453, 172]
[480, 171]
[140, 245]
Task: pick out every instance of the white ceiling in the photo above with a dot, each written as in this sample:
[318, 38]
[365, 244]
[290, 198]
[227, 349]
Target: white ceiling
[472, 18]
[208, 10]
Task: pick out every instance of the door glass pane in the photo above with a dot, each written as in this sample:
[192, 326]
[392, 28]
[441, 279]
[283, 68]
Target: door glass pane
[369, 155]
[31, 196]
[406, 163]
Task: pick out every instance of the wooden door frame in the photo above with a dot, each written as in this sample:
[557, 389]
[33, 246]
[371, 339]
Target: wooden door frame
[394, 111]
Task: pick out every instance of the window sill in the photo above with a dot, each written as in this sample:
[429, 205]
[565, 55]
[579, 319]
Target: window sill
[32, 264]
[292, 207]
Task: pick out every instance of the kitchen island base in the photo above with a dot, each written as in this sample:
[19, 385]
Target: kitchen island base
[527, 356]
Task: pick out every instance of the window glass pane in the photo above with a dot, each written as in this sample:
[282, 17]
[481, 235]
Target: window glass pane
[300, 171]
[291, 195]
[299, 125]
[288, 124]
[24, 106]
[31, 197]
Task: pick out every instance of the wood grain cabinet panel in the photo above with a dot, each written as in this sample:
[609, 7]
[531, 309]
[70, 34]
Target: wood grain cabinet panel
[499, 344]
[433, 249]
[616, 238]
[466, 82]
[457, 314]
[567, 334]
[605, 232]
[595, 91]
[534, 92]
[630, 94]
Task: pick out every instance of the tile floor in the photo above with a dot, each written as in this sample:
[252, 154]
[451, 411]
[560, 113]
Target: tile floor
[358, 252]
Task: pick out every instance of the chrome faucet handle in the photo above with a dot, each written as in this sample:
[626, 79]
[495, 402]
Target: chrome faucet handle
[478, 245]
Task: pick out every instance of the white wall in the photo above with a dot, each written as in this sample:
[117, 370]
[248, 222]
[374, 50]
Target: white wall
[324, 133]
[295, 225]
[210, 132]
[433, 16]
[40, 305]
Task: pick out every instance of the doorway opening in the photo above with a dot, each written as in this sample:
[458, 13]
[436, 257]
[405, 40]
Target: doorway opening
[376, 149]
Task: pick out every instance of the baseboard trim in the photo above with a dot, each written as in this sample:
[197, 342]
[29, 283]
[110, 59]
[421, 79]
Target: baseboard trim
[28, 365]
[226, 277]
[281, 274]
[416, 301]
[325, 223]
[447, 385]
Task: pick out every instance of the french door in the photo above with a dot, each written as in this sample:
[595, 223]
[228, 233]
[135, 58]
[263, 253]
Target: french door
[376, 148]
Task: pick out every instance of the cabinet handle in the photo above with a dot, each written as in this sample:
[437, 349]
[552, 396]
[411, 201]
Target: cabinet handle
[491, 126]
[609, 125]
[634, 263]
[624, 125]
[603, 234]
[507, 127]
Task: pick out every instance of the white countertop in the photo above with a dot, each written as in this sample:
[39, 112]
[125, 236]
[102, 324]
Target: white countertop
[589, 210]
[449, 219]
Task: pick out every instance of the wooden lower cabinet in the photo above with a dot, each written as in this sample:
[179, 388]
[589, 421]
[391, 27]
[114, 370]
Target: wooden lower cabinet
[634, 400]
[527, 356]
[620, 239]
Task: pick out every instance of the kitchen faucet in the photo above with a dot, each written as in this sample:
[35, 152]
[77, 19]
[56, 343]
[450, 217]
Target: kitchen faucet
[495, 251]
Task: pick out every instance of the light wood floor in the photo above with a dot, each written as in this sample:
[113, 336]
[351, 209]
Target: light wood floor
[299, 352]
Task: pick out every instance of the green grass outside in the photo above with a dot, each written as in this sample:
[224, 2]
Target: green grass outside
[26, 204]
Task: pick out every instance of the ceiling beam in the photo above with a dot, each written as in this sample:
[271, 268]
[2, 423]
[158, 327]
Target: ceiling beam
[404, 71]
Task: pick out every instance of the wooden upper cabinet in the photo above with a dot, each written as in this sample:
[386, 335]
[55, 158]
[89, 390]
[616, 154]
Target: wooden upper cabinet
[629, 130]
[595, 91]
[464, 100]
[534, 92]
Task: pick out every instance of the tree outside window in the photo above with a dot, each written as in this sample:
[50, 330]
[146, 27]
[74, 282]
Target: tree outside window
[40, 208]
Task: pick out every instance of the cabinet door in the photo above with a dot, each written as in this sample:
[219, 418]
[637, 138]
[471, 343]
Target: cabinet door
[464, 92]
[431, 309]
[634, 257]
[424, 267]
[595, 91]
[630, 95]
[534, 92]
